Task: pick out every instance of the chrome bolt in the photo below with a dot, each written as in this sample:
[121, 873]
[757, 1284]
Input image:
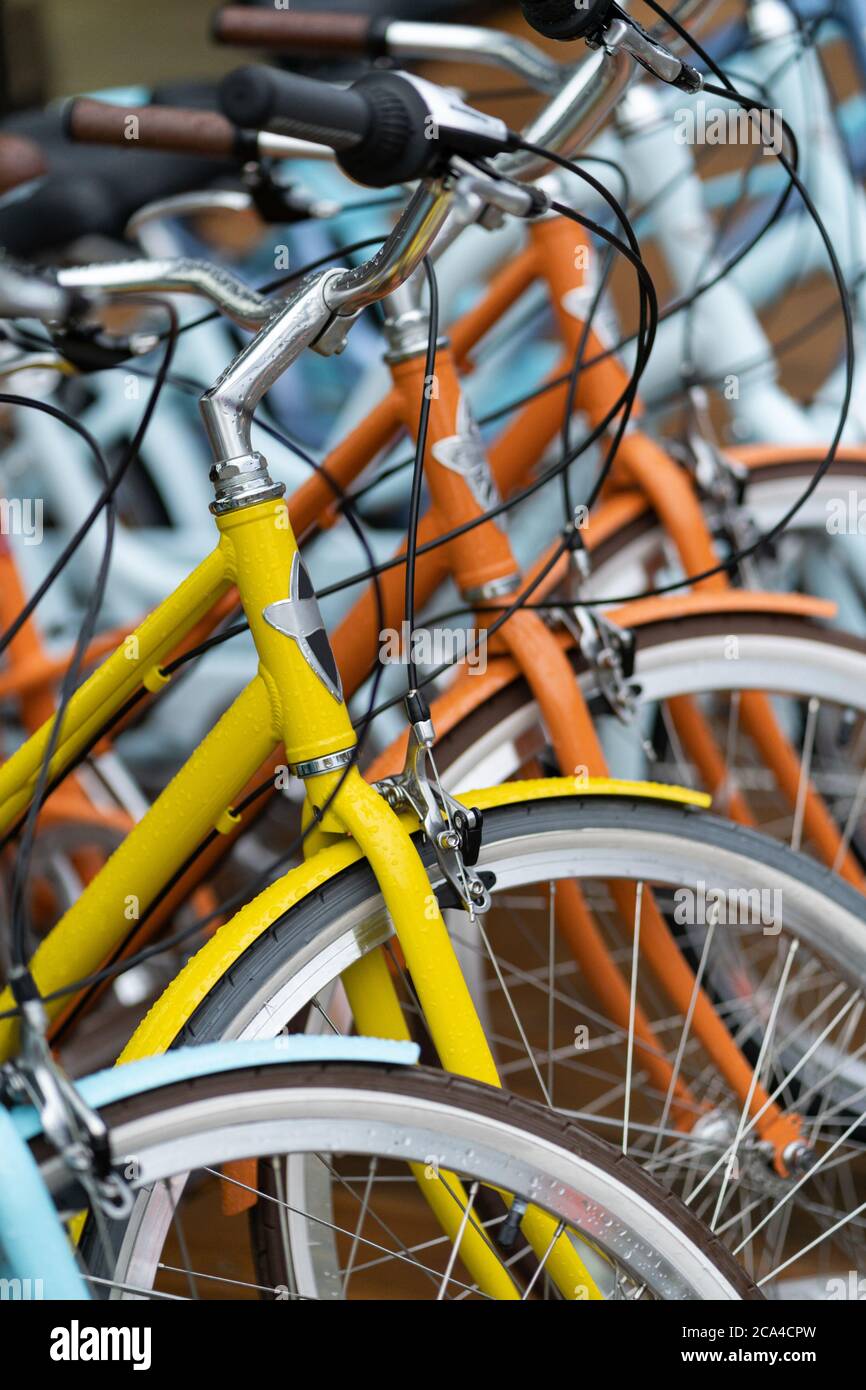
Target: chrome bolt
[448, 839]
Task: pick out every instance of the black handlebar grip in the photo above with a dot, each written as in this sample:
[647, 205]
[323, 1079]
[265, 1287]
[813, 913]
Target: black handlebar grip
[386, 128]
[565, 20]
[257, 97]
[378, 128]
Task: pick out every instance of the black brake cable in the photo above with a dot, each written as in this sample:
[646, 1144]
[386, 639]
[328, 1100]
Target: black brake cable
[20, 980]
[767, 538]
[764, 87]
[97, 977]
[648, 310]
[745, 552]
[648, 316]
[531, 488]
[365, 724]
[586, 329]
[418, 469]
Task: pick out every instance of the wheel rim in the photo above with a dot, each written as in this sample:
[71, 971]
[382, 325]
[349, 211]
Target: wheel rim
[596, 856]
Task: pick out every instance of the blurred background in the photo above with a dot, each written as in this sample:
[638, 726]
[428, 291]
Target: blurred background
[49, 48]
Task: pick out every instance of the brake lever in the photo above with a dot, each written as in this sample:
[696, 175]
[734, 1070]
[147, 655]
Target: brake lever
[604, 24]
[284, 204]
[626, 34]
[89, 349]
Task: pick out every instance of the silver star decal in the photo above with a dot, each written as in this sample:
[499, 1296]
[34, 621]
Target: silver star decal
[300, 617]
[464, 453]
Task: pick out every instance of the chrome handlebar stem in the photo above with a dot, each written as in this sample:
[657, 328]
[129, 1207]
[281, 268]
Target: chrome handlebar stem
[228, 407]
[304, 320]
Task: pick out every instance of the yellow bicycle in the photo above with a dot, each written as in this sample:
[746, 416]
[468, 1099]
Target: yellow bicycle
[429, 852]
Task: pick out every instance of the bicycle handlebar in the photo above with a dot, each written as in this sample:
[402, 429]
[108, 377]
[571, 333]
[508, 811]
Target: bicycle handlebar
[374, 37]
[179, 130]
[331, 32]
[168, 128]
[386, 128]
[182, 275]
[26, 295]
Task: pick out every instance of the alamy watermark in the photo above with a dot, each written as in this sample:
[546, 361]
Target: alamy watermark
[729, 907]
[849, 1288]
[438, 646]
[846, 515]
[77, 1343]
[22, 516]
[703, 124]
[21, 1290]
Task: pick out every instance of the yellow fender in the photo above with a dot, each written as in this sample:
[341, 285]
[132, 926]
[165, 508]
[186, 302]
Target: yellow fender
[175, 1007]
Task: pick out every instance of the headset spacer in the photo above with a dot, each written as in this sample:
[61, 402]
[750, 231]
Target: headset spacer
[329, 762]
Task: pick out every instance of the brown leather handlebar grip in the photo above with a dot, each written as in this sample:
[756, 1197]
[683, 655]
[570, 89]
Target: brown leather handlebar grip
[328, 32]
[173, 129]
[20, 161]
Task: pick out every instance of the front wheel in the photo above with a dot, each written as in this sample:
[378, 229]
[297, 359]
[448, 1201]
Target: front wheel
[356, 1128]
[780, 945]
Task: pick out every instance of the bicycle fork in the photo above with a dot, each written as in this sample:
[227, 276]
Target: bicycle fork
[310, 715]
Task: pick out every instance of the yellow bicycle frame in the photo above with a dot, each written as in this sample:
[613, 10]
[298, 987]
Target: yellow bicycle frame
[286, 702]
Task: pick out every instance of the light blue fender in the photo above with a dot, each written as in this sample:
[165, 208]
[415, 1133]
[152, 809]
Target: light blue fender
[117, 1083]
[33, 1244]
